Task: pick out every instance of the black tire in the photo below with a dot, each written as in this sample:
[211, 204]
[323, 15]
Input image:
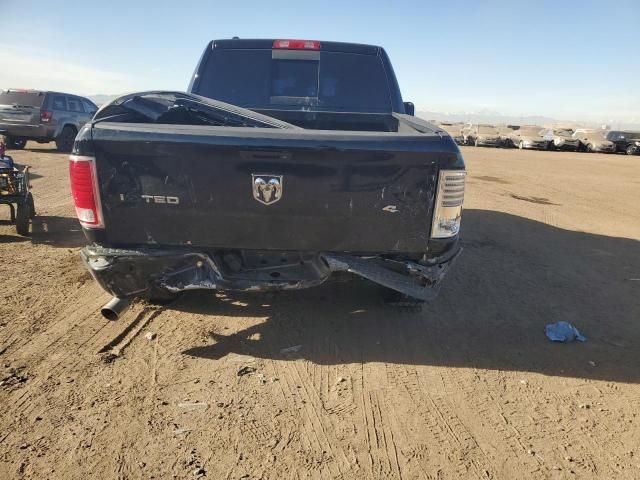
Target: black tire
[631, 150]
[23, 216]
[589, 148]
[32, 205]
[16, 143]
[64, 141]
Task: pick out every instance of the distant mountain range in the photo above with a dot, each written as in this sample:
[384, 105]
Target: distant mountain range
[485, 117]
[495, 118]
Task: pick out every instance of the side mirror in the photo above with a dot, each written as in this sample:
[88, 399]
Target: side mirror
[409, 108]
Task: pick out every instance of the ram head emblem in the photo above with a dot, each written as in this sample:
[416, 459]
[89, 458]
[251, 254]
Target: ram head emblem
[267, 189]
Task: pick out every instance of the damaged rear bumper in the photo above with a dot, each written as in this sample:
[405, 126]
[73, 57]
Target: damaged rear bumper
[129, 273]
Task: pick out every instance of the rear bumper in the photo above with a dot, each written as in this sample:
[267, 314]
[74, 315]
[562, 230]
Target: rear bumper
[145, 272]
[26, 131]
[535, 146]
[566, 146]
[490, 143]
[604, 148]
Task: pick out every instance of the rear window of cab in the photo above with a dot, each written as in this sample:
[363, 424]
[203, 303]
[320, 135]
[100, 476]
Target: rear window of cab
[335, 81]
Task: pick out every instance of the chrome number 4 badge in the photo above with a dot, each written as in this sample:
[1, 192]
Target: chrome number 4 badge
[267, 189]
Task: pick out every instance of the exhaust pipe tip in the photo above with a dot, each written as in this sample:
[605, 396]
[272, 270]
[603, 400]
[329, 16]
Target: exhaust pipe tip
[115, 308]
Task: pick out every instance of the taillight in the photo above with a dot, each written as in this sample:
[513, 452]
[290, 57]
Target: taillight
[297, 44]
[449, 200]
[84, 188]
[45, 116]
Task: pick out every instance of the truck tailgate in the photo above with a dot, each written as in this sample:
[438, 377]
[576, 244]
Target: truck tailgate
[217, 187]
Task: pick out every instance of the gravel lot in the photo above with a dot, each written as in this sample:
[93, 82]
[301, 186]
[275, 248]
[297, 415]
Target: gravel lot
[328, 382]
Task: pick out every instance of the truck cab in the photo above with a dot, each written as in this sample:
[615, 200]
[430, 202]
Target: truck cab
[311, 84]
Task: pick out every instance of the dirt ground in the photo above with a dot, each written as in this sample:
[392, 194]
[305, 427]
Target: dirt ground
[328, 382]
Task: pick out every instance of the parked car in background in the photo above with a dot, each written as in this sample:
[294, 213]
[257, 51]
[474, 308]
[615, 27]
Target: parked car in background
[43, 117]
[594, 141]
[454, 130]
[530, 137]
[628, 142]
[562, 139]
[482, 136]
[466, 128]
[505, 134]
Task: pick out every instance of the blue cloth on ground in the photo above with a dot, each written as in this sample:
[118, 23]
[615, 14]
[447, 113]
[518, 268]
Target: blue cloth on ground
[563, 332]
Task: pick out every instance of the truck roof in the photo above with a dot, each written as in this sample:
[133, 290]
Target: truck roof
[238, 43]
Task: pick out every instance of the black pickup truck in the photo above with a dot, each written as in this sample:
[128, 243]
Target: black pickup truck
[287, 160]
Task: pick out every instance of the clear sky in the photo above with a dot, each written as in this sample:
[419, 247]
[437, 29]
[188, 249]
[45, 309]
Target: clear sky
[569, 60]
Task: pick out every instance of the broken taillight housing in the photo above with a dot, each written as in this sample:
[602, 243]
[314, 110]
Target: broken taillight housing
[84, 188]
[449, 200]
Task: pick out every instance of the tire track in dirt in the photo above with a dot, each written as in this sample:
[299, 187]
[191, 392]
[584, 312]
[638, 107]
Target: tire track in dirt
[385, 448]
[444, 429]
[449, 432]
[79, 331]
[312, 406]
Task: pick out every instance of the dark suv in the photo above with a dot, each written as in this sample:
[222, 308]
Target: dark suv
[43, 117]
[628, 142]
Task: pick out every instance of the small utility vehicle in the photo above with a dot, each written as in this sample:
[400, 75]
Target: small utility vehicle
[14, 191]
